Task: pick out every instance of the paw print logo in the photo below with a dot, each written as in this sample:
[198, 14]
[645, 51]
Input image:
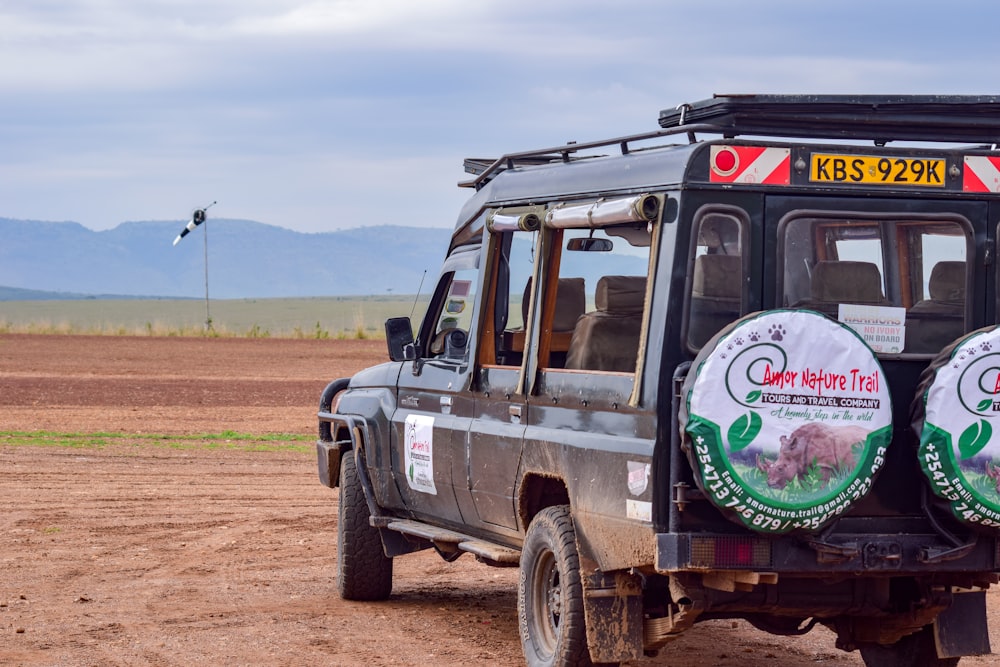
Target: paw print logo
[985, 346]
[738, 341]
[971, 352]
[777, 332]
[729, 347]
[754, 336]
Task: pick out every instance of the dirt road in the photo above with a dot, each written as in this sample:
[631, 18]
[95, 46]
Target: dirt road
[130, 550]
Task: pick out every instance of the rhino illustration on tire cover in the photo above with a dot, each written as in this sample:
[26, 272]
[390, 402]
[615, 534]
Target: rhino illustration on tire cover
[830, 448]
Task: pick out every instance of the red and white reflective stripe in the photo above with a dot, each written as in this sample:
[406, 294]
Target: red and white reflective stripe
[750, 164]
[981, 174]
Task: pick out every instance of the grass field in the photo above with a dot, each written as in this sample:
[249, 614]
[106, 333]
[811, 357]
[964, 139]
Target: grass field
[327, 317]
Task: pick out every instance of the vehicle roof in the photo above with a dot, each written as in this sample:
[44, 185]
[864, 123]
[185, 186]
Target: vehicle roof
[574, 170]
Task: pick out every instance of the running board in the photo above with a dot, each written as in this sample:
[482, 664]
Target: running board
[450, 541]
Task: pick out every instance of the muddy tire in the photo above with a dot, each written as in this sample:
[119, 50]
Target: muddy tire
[916, 650]
[363, 570]
[550, 593]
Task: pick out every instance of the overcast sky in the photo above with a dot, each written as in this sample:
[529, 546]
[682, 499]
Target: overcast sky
[330, 114]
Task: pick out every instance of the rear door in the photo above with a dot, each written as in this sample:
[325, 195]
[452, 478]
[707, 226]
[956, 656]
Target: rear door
[929, 287]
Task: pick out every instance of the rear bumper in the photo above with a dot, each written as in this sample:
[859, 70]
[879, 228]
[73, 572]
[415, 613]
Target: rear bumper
[855, 554]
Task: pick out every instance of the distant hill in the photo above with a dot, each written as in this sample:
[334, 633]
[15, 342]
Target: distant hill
[65, 260]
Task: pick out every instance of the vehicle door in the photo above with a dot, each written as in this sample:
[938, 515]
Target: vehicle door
[433, 407]
[929, 287]
[591, 427]
[500, 410]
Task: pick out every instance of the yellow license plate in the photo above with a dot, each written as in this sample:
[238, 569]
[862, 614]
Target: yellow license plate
[877, 170]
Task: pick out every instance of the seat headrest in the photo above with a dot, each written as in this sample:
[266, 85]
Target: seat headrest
[621, 294]
[947, 281]
[717, 276]
[847, 282]
[571, 303]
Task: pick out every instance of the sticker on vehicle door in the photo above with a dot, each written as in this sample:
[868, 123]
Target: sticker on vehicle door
[787, 420]
[418, 453]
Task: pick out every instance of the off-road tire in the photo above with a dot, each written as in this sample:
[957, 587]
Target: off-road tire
[916, 650]
[363, 570]
[550, 593]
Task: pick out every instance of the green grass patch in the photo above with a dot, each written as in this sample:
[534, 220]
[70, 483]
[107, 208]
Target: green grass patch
[313, 318]
[227, 440]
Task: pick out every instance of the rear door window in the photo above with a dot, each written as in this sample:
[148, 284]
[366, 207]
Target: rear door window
[901, 283]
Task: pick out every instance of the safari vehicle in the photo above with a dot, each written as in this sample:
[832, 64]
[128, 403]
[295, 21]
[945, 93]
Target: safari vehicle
[744, 366]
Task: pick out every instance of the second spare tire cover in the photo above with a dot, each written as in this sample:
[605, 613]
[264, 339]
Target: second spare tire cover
[957, 417]
[786, 417]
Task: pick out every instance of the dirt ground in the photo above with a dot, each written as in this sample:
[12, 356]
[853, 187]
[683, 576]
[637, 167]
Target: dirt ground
[143, 552]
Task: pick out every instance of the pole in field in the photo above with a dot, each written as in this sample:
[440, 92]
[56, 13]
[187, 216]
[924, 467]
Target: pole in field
[197, 218]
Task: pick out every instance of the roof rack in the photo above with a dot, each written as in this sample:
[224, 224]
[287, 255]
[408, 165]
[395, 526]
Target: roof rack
[880, 118]
[485, 169]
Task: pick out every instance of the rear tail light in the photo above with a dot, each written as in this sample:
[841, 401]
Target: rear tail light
[730, 552]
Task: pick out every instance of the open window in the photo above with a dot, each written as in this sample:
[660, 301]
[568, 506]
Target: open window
[593, 301]
[513, 242]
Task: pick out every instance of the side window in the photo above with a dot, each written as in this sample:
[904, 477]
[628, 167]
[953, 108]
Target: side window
[504, 331]
[901, 283]
[449, 338]
[595, 297]
[450, 317]
[717, 276]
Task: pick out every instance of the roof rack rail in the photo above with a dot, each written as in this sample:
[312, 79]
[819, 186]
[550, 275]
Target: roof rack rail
[485, 169]
[880, 118]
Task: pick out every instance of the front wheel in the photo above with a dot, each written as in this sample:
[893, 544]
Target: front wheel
[916, 650]
[550, 593]
[363, 570]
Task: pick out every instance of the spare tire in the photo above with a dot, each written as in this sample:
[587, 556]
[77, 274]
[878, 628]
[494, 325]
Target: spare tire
[956, 415]
[785, 418]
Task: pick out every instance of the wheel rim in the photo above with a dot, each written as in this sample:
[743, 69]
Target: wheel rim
[547, 602]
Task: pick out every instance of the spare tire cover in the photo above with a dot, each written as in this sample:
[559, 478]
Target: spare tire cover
[786, 417]
[957, 417]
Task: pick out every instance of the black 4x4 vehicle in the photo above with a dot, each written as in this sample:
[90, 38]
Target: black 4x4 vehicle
[755, 376]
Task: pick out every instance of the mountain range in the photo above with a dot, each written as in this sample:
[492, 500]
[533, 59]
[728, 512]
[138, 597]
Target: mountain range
[246, 259]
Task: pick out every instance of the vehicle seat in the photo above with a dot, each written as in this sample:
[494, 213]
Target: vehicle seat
[715, 295]
[835, 282]
[933, 323]
[607, 339]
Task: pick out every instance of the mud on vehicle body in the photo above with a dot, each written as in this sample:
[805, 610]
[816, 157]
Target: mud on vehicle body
[728, 369]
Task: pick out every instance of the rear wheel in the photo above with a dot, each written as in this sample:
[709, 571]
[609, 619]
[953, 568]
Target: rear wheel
[363, 570]
[916, 650]
[550, 593]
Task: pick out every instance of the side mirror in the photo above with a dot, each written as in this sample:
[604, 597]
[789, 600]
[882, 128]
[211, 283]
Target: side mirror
[399, 339]
[590, 245]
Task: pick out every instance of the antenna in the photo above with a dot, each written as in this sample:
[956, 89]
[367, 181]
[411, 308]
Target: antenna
[415, 298]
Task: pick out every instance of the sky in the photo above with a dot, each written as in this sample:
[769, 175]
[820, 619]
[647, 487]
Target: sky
[333, 114]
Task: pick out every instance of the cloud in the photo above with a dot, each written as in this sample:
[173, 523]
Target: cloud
[292, 112]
